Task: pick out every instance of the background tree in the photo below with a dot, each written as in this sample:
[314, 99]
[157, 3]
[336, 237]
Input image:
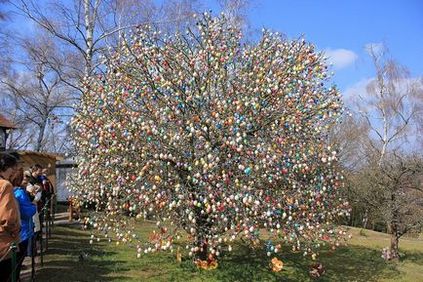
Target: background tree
[83, 33]
[391, 109]
[88, 28]
[395, 194]
[392, 106]
[36, 98]
[213, 138]
[351, 136]
[3, 37]
[236, 11]
[2, 12]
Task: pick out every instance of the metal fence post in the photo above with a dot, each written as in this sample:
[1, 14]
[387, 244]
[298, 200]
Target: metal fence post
[14, 262]
[50, 216]
[41, 244]
[33, 252]
[46, 221]
[53, 208]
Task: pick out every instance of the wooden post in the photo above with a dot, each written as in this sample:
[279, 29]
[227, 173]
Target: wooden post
[70, 210]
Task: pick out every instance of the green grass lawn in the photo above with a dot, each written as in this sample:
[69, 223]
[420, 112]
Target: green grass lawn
[359, 261]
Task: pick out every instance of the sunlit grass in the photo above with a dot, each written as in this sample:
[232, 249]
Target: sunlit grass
[71, 256]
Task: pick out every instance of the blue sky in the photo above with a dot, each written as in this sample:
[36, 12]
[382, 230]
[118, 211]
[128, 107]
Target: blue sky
[349, 25]
[343, 28]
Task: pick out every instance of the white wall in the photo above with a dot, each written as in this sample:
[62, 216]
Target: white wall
[63, 175]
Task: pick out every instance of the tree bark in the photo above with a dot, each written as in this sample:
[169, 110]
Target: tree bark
[89, 19]
[40, 138]
[394, 249]
[395, 232]
[203, 229]
[365, 219]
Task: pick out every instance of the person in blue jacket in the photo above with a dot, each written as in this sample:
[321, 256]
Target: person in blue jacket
[27, 210]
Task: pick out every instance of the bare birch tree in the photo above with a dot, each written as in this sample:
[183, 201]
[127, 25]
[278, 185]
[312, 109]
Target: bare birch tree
[82, 33]
[391, 109]
[3, 38]
[236, 11]
[36, 96]
[2, 11]
[89, 27]
[392, 106]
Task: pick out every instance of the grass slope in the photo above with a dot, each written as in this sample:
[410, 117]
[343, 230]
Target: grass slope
[359, 261]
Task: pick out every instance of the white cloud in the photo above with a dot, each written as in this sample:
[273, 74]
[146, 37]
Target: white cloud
[341, 58]
[376, 48]
[360, 98]
[361, 89]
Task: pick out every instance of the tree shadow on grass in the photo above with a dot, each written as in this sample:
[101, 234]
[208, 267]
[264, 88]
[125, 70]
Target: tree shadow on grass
[70, 257]
[67, 270]
[413, 256]
[355, 263]
[245, 265]
[242, 264]
[352, 263]
[73, 243]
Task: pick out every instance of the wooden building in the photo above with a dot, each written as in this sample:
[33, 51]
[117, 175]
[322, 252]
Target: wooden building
[46, 160]
[29, 158]
[5, 127]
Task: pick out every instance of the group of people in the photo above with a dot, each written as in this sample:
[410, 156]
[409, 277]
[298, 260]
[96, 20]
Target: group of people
[23, 195]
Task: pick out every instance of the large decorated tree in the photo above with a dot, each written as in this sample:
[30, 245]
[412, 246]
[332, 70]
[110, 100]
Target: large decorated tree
[212, 138]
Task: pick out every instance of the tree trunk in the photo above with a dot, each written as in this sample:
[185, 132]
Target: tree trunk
[203, 229]
[395, 232]
[202, 254]
[351, 219]
[89, 33]
[41, 135]
[365, 219]
[394, 249]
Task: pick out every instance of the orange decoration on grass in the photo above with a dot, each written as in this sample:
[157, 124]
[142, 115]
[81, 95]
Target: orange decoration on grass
[178, 255]
[276, 265]
[210, 263]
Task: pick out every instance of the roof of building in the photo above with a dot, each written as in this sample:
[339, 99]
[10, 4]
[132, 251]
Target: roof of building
[53, 156]
[4, 122]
